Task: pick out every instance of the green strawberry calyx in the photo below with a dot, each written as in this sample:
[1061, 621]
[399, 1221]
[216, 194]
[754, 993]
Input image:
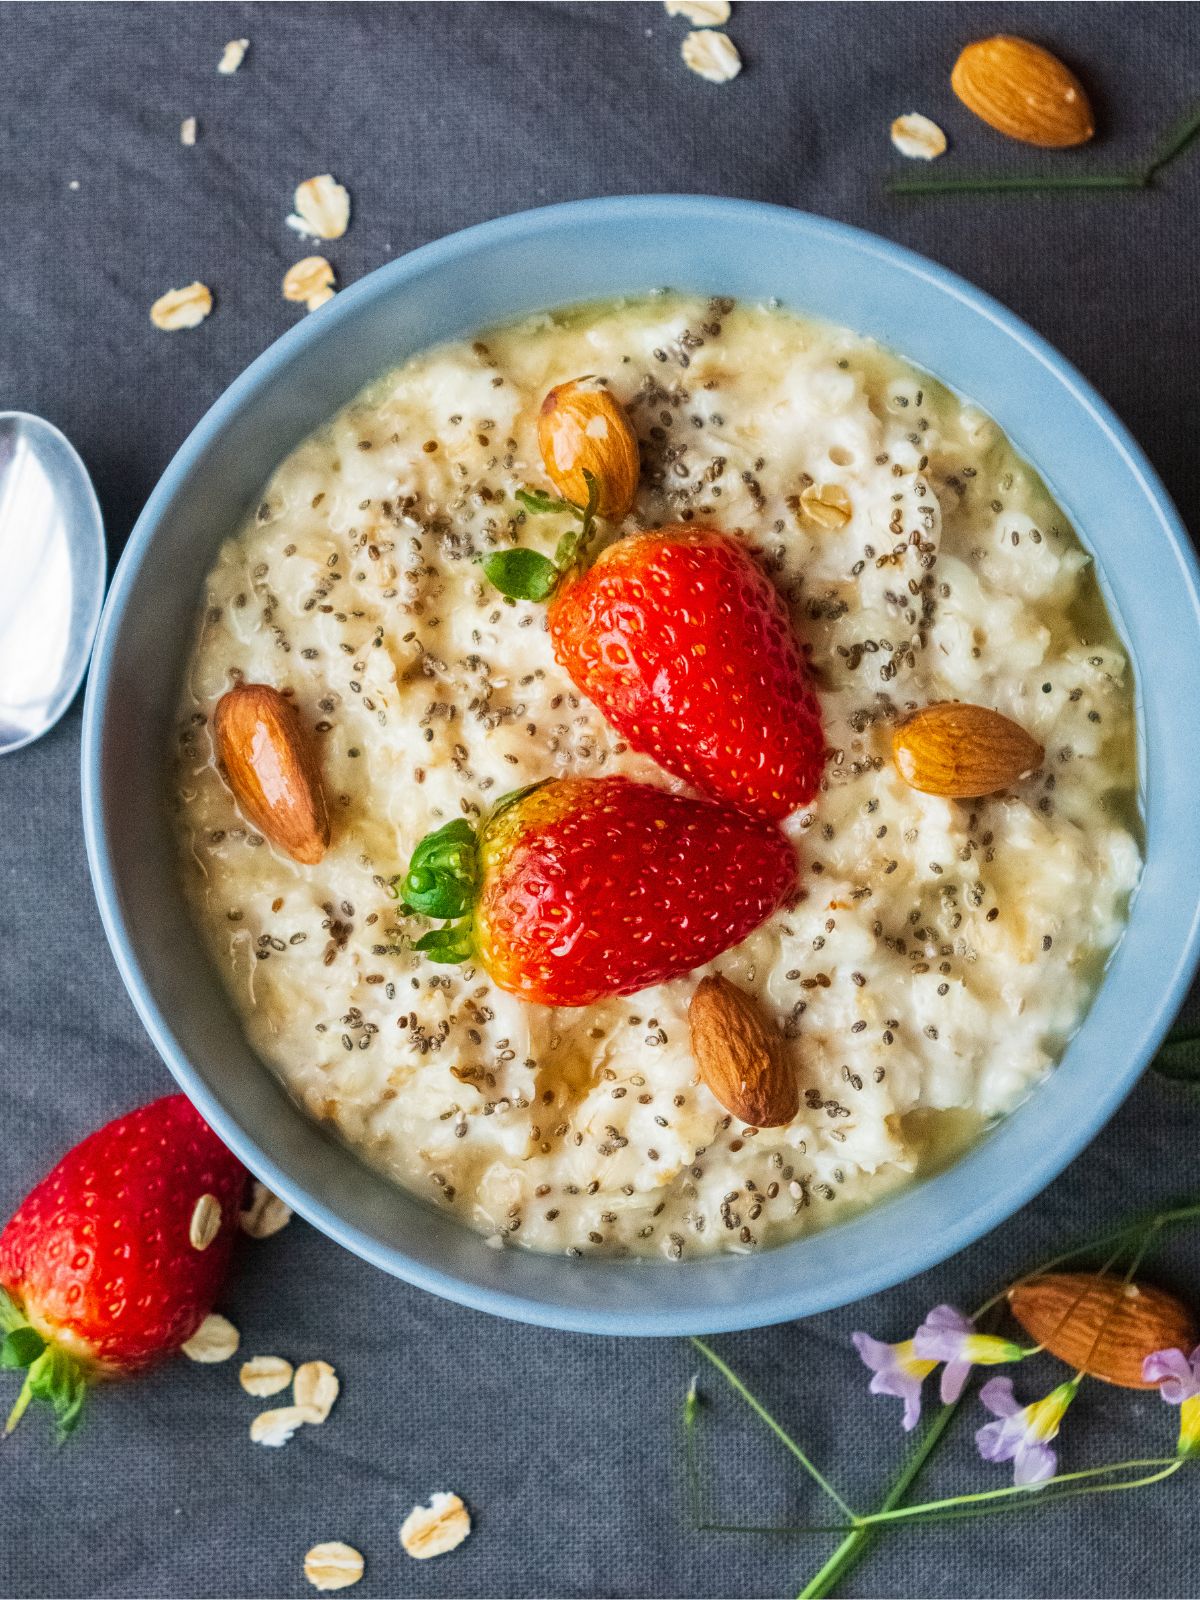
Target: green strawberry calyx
[51, 1375]
[443, 880]
[527, 575]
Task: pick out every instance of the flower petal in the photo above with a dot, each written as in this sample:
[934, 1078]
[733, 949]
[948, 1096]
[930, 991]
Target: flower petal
[997, 1395]
[1034, 1463]
[954, 1380]
[1178, 1377]
[877, 1355]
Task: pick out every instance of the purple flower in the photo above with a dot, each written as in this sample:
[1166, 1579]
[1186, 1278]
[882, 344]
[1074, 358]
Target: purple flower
[948, 1335]
[1178, 1378]
[1023, 1433]
[897, 1371]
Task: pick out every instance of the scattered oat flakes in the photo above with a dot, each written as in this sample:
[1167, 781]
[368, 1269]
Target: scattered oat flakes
[315, 1389]
[310, 280]
[233, 55]
[187, 131]
[826, 504]
[918, 137]
[264, 1375]
[206, 1222]
[265, 1214]
[333, 1566]
[700, 13]
[216, 1339]
[181, 308]
[276, 1427]
[711, 55]
[322, 208]
[434, 1529]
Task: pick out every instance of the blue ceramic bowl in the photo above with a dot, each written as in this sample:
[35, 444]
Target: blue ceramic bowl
[502, 270]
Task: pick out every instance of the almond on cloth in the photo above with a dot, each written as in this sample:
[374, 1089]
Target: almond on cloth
[1024, 92]
[1102, 1325]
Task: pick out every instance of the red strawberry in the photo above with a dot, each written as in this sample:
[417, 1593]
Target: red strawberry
[688, 650]
[584, 887]
[102, 1266]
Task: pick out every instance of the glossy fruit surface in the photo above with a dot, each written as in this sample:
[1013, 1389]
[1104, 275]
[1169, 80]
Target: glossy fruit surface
[687, 648]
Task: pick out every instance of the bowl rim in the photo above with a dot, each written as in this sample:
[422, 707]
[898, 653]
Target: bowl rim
[799, 1298]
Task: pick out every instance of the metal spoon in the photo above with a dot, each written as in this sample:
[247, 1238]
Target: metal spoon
[52, 567]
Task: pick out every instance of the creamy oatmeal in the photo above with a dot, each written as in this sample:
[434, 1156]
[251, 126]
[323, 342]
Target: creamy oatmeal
[942, 951]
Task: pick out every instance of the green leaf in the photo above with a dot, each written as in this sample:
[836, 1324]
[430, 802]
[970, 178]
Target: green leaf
[1179, 1059]
[58, 1381]
[540, 504]
[11, 1315]
[566, 551]
[451, 944]
[20, 1347]
[443, 875]
[522, 574]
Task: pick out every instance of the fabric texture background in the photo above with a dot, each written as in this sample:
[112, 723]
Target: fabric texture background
[436, 116]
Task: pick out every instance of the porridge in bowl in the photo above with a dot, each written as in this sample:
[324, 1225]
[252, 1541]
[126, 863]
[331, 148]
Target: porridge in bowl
[900, 838]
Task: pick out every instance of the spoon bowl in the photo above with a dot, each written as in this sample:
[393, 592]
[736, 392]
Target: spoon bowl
[53, 559]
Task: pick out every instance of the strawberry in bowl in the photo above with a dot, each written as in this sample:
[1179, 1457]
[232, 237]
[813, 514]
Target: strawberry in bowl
[675, 634]
[580, 888]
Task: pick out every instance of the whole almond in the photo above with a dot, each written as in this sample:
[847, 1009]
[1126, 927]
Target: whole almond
[741, 1059]
[963, 752]
[272, 769]
[1023, 91]
[1101, 1325]
[582, 428]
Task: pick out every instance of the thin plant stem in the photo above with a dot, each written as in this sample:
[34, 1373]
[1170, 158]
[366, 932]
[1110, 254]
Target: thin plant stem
[1175, 142]
[853, 1546]
[1024, 1490]
[1096, 180]
[776, 1428]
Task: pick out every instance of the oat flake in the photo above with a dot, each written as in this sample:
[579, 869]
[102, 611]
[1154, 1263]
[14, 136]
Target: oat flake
[265, 1214]
[322, 208]
[700, 13]
[216, 1339]
[233, 55]
[181, 308]
[205, 1224]
[315, 1389]
[917, 137]
[264, 1375]
[187, 131]
[826, 504]
[434, 1529]
[712, 56]
[333, 1566]
[276, 1427]
[310, 280]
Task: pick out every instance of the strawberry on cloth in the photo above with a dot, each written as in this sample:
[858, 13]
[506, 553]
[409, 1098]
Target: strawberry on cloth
[115, 1258]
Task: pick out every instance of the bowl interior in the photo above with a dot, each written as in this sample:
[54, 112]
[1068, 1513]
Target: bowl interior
[501, 270]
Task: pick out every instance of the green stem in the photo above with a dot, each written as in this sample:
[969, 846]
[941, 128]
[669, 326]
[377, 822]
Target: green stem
[854, 1546]
[1175, 143]
[1170, 1464]
[780, 1433]
[19, 1406]
[1113, 180]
